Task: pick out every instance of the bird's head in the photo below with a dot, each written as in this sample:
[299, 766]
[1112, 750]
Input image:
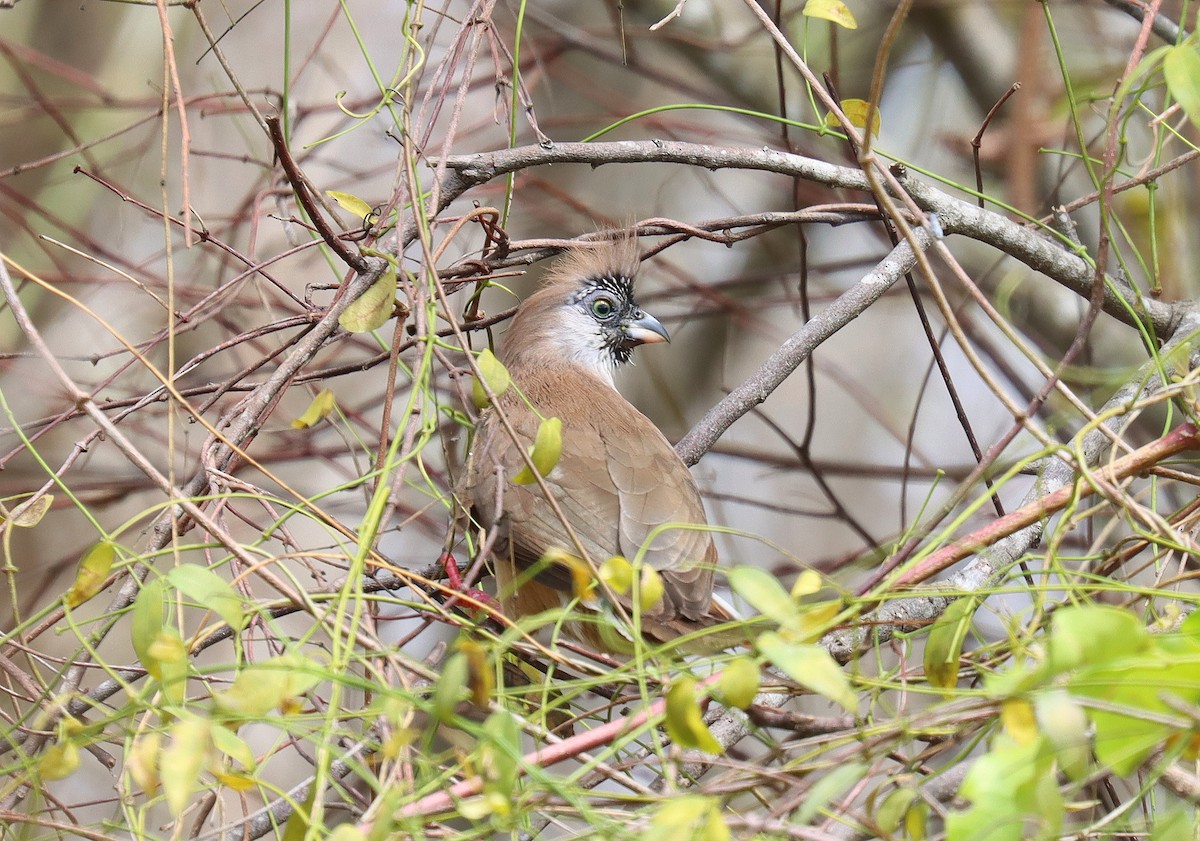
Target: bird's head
[586, 312]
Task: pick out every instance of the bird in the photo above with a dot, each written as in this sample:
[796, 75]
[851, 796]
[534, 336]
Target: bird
[618, 481]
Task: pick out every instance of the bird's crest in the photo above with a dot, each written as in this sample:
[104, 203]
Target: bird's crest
[616, 257]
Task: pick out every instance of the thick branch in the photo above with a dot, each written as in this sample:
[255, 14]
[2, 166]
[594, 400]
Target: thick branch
[1032, 249]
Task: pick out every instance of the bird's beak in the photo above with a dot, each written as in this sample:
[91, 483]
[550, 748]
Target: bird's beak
[646, 330]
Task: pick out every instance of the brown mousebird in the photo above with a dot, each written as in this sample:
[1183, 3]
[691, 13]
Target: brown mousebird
[618, 481]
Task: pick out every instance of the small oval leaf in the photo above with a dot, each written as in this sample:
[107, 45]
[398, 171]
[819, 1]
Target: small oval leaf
[481, 679]
[317, 410]
[182, 762]
[650, 588]
[352, 204]
[764, 593]
[831, 10]
[60, 760]
[147, 622]
[451, 686]
[1181, 68]
[617, 573]
[944, 647]
[210, 590]
[30, 513]
[94, 567]
[547, 449]
[810, 666]
[275, 684]
[856, 111]
[374, 307]
[685, 722]
[493, 372]
[738, 684]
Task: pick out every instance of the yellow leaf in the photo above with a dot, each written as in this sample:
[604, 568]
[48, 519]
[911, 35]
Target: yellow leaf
[685, 723]
[275, 684]
[480, 678]
[31, 513]
[581, 575]
[1016, 714]
[831, 10]
[688, 816]
[808, 583]
[617, 573]
[547, 449]
[142, 761]
[182, 761]
[374, 307]
[235, 780]
[451, 686]
[738, 684]
[494, 373]
[650, 588]
[944, 647]
[167, 654]
[94, 567]
[318, 409]
[60, 760]
[352, 204]
[856, 111]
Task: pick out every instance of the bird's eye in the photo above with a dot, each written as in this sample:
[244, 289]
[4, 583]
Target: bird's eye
[602, 308]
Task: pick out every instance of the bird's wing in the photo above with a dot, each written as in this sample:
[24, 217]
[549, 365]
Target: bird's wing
[661, 510]
[579, 484]
[618, 482]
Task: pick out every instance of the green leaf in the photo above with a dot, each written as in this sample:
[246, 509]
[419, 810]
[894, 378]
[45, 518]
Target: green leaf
[943, 650]
[1181, 68]
[94, 567]
[374, 307]
[499, 753]
[1007, 786]
[148, 619]
[169, 654]
[547, 449]
[685, 722]
[810, 666]
[451, 687]
[688, 817]
[831, 10]
[493, 373]
[764, 593]
[833, 784]
[275, 684]
[183, 760]
[211, 591]
[317, 410]
[347, 832]
[233, 746]
[1175, 824]
[1065, 726]
[352, 204]
[1089, 635]
[894, 809]
[738, 684]
[1138, 684]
